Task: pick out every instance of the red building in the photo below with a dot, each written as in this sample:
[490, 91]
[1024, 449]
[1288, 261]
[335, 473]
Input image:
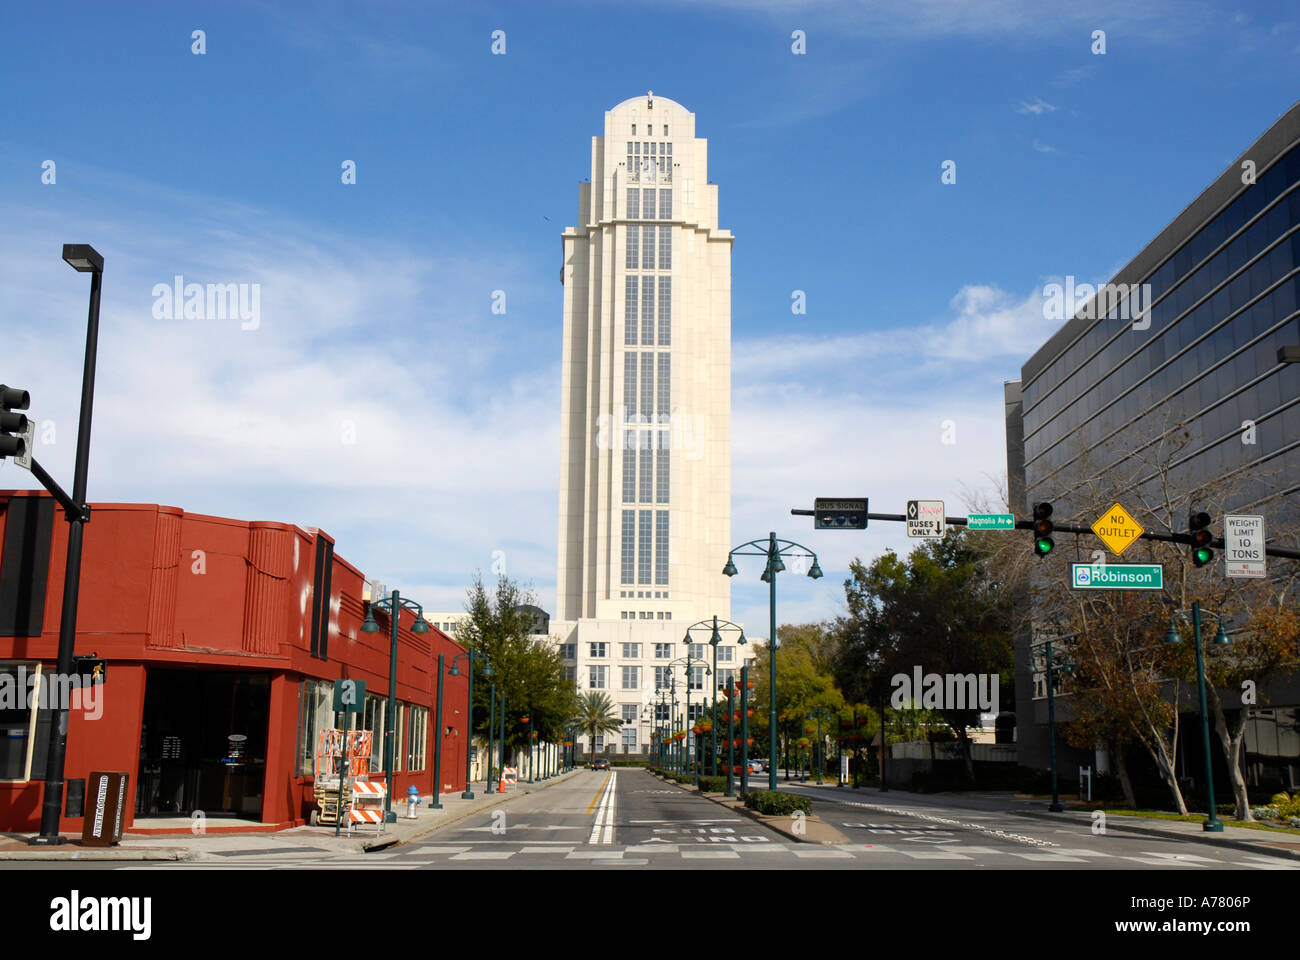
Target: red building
[223, 639]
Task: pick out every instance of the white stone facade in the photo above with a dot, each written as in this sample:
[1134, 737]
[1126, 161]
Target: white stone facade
[645, 467]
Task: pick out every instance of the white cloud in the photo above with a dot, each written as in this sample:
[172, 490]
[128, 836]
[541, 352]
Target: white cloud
[1037, 108]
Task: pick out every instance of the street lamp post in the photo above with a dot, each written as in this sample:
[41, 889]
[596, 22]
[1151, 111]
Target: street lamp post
[393, 606]
[437, 740]
[1212, 824]
[731, 738]
[1055, 806]
[83, 258]
[744, 734]
[715, 637]
[468, 794]
[492, 725]
[772, 550]
[819, 712]
[687, 661]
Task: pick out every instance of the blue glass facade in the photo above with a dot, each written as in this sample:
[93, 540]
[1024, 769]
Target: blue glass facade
[1109, 395]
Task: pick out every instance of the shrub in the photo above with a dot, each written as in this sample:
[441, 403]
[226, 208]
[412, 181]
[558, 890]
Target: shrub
[777, 804]
[1287, 805]
[713, 784]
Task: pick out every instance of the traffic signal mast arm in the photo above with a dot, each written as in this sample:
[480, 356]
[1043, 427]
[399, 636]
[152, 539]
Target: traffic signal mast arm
[1073, 528]
[73, 509]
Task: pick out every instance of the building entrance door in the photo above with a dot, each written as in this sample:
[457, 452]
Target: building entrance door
[203, 743]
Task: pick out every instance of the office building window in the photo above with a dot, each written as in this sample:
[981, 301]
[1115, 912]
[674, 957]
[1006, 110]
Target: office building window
[665, 310]
[631, 678]
[664, 407]
[647, 384]
[598, 743]
[665, 250]
[647, 316]
[643, 548]
[632, 651]
[631, 712]
[631, 284]
[647, 468]
[597, 650]
[633, 234]
[629, 385]
[696, 711]
[629, 738]
[662, 459]
[629, 544]
[726, 654]
[571, 674]
[647, 247]
[661, 546]
[696, 650]
[726, 678]
[629, 467]
[697, 678]
[596, 676]
[633, 199]
[569, 651]
[649, 211]
[663, 651]
[663, 678]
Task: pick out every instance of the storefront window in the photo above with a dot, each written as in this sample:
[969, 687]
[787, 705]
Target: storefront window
[373, 720]
[315, 713]
[415, 753]
[19, 727]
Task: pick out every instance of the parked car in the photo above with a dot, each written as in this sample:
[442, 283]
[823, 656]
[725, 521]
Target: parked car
[756, 766]
[600, 764]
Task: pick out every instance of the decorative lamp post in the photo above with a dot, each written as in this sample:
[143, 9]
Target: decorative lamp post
[392, 605]
[717, 627]
[820, 712]
[469, 712]
[772, 550]
[1212, 824]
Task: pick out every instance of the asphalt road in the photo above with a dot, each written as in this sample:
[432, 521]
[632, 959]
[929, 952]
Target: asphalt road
[627, 818]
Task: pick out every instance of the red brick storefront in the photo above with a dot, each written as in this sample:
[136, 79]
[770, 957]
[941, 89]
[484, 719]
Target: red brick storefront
[222, 640]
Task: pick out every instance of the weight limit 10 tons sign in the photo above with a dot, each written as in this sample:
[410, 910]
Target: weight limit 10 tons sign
[1243, 546]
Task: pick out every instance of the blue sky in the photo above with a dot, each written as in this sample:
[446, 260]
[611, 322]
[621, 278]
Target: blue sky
[375, 311]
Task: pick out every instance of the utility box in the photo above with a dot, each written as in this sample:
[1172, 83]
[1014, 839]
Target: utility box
[105, 801]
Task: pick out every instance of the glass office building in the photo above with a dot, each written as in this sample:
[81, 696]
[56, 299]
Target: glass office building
[1178, 367]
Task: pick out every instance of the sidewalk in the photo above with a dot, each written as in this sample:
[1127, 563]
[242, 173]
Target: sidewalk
[1264, 843]
[298, 840]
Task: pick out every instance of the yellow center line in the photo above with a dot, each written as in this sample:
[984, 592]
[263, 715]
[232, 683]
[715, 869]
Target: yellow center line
[596, 798]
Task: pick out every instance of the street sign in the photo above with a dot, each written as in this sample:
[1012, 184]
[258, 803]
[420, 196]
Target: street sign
[1117, 576]
[1117, 529]
[349, 696]
[1243, 546]
[991, 521]
[829, 514]
[24, 459]
[925, 518]
[93, 670]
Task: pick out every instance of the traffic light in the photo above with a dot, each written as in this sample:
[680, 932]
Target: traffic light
[831, 514]
[1043, 527]
[1197, 530]
[11, 398]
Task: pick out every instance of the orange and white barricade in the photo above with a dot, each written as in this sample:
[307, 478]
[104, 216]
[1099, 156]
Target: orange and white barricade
[509, 777]
[365, 793]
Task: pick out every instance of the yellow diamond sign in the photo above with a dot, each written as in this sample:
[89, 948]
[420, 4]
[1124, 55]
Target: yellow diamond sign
[1117, 529]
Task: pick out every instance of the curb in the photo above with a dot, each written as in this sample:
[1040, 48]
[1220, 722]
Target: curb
[107, 853]
[1232, 843]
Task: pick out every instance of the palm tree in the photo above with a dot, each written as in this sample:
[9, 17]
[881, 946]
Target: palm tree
[596, 717]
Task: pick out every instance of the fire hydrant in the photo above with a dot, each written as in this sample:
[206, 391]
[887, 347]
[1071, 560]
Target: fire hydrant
[412, 801]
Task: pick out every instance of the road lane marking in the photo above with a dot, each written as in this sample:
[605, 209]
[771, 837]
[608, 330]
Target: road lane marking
[601, 792]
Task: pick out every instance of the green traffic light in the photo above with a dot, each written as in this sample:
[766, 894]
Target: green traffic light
[1202, 556]
[1043, 546]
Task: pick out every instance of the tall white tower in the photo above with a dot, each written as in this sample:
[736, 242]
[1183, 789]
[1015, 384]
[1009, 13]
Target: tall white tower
[645, 433]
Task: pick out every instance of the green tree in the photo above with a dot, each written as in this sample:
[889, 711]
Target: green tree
[595, 716]
[527, 668]
[805, 660]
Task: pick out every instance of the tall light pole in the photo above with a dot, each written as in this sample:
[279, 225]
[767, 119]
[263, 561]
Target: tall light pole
[393, 606]
[454, 671]
[687, 661]
[1212, 824]
[83, 258]
[717, 626]
[820, 712]
[772, 550]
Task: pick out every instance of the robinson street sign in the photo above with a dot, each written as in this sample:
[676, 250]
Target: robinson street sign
[991, 521]
[1116, 576]
[925, 518]
[1117, 529]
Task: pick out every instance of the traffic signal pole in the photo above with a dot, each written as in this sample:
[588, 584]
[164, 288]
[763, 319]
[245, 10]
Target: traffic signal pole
[1184, 538]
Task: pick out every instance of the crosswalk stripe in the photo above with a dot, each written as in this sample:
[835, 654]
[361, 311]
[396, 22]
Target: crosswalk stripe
[710, 855]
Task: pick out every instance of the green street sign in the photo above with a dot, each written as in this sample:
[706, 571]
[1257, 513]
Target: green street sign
[349, 696]
[991, 521]
[1117, 576]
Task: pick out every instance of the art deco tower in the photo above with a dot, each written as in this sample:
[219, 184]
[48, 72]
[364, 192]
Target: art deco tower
[645, 468]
